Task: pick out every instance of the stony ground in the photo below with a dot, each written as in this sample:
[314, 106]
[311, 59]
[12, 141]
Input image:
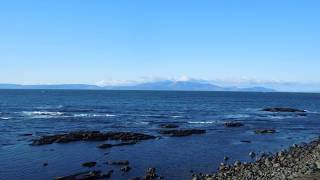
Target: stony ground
[299, 162]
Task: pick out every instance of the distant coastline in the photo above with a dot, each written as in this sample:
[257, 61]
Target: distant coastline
[154, 86]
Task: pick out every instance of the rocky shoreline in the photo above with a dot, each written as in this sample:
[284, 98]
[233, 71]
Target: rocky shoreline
[297, 162]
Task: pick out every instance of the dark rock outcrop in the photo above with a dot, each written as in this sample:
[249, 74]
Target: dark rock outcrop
[180, 133]
[125, 168]
[277, 109]
[169, 126]
[264, 131]
[105, 146]
[92, 136]
[89, 164]
[151, 174]
[88, 175]
[118, 163]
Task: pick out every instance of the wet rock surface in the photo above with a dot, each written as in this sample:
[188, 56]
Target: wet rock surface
[151, 174]
[118, 163]
[265, 131]
[125, 168]
[233, 124]
[91, 136]
[89, 164]
[88, 175]
[279, 109]
[106, 146]
[297, 162]
[169, 126]
[181, 133]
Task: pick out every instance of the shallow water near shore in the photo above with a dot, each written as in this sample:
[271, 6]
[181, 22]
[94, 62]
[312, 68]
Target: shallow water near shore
[43, 112]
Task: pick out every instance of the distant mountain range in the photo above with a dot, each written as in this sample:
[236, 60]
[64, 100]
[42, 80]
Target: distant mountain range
[159, 85]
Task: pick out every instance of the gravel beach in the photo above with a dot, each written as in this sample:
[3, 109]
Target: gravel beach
[298, 162]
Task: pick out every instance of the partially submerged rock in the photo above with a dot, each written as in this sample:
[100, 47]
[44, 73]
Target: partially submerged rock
[252, 154]
[136, 178]
[151, 174]
[89, 164]
[125, 168]
[118, 163]
[92, 136]
[302, 114]
[88, 175]
[277, 109]
[233, 124]
[264, 131]
[180, 133]
[106, 146]
[169, 126]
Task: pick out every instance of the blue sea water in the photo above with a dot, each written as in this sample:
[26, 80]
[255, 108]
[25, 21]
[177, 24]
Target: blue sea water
[43, 112]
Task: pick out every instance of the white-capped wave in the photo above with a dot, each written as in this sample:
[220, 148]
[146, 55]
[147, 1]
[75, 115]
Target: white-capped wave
[142, 122]
[157, 115]
[280, 117]
[94, 115]
[5, 118]
[202, 122]
[177, 116]
[42, 114]
[313, 112]
[235, 116]
[45, 107]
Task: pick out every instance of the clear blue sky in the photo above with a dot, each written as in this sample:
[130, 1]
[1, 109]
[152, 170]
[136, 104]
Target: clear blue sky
[74, 41]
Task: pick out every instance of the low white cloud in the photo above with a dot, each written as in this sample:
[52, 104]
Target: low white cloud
[241, 82]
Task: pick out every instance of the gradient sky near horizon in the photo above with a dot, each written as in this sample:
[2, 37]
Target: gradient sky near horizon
[82, 41]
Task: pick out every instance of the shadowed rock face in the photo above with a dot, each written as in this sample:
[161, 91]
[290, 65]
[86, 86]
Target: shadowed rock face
[89, 175]
[180, 133]
[283, 110]
[92, 136]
